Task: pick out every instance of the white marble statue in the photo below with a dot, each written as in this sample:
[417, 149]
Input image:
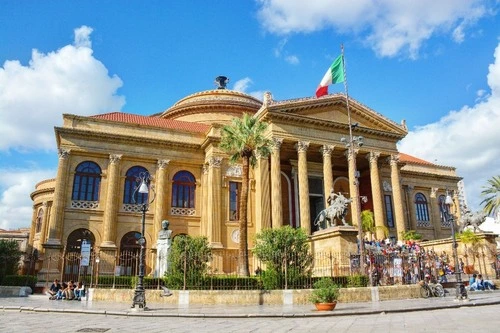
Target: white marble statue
[163, 249]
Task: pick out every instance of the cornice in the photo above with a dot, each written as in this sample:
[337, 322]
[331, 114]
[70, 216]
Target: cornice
[42, 191]
[231, 107]
[361, 110]
[123, 138]
[439, 176]
[327, 124]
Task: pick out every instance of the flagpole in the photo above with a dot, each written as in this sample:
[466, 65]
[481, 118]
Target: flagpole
[352, 155]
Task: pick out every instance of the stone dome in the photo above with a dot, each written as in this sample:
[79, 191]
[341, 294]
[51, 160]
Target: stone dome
[212, 106]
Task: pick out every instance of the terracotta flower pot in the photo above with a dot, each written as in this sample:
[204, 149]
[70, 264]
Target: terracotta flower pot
[325, 306]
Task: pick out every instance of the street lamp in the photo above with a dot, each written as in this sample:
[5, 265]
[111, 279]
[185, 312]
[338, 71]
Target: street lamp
[461, 292]
[144, 180]
[351, 144]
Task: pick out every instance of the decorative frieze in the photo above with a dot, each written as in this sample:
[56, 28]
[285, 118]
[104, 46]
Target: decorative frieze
[234, 171]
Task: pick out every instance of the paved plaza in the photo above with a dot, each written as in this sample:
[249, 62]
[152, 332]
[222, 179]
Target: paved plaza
[38, 314]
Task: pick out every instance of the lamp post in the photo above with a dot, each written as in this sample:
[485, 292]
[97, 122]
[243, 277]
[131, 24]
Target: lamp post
[461, 292]
[140, 293]
[351, 144]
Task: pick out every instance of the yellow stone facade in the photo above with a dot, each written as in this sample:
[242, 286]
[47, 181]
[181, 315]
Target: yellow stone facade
[289, 187]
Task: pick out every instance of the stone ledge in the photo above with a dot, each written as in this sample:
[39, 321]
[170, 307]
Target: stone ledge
[257, 297]
[14, 291]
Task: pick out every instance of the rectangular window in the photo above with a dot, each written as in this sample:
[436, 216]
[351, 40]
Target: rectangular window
[388, 211]
[234, 201]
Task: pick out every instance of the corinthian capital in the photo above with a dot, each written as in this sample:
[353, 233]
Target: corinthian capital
[63, 153]
[373, 156]
[162, 164]
[277, 142]
[215, 162]
[114, 158]
[326, 150]
[302, 146]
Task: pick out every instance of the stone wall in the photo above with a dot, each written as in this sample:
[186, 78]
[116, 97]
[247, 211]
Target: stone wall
[256, 297]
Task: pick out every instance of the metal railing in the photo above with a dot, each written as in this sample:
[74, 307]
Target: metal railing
[108, 269]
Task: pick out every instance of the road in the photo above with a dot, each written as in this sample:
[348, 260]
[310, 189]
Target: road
[464, 319]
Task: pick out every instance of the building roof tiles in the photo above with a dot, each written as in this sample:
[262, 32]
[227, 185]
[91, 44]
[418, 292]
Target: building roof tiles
[153, 121]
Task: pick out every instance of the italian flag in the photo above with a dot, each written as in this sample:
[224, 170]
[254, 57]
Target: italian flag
[334, 74]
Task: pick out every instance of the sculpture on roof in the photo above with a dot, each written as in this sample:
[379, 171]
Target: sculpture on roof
[471, 219]
[333, 214]
[221, 82]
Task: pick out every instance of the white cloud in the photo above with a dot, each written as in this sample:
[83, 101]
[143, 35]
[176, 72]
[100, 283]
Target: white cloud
[33, 97]
[292, 59]
[243, 85]
[389, 27]
[15, 202]
[468, 139]
[82, 36]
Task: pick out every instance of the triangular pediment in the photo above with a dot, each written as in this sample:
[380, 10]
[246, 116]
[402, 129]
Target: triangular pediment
[333, 108]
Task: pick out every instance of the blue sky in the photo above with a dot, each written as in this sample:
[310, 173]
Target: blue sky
[435, 64]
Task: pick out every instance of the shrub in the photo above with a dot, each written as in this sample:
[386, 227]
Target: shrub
[325, 291]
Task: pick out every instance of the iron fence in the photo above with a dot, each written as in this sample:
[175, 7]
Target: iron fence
[108, 269]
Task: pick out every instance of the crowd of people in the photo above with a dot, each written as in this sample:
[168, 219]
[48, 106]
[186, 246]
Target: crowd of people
[66, 291]
[409, 263]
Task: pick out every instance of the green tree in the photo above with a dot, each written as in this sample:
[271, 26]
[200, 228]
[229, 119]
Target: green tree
[187, 261]
[9, 258]
[491, 194]
[285, 252]
[243, 139]
[411, 235]
[368, 224]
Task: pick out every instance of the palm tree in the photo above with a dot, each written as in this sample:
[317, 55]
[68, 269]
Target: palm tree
[492, 196]
[368, 224]
[243, 139]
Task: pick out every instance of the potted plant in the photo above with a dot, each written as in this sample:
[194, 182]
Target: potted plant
[325, 294]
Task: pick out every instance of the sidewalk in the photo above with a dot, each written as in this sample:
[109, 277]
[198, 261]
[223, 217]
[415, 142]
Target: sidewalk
[41, 303]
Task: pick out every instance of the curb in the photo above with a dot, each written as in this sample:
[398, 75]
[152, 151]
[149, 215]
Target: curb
[152, 313]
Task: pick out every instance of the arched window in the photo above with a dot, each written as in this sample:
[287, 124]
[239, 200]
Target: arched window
[75, 238]
[132, 181]
[421, 209]
[87, 181]
[74, 259]
[444, 211]
[183, 190]
[38, 223]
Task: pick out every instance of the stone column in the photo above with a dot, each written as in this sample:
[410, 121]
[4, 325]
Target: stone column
[46, 213]
[276, 206]
[57, 217]
[326, 151]
[353, 187]
[111, 206]
[378, 204]
[262, 196]
[34, 221]
[161, 196]
[214, 202]
[434, 212]
[204, 208]
[305, 213]
[398, 199]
